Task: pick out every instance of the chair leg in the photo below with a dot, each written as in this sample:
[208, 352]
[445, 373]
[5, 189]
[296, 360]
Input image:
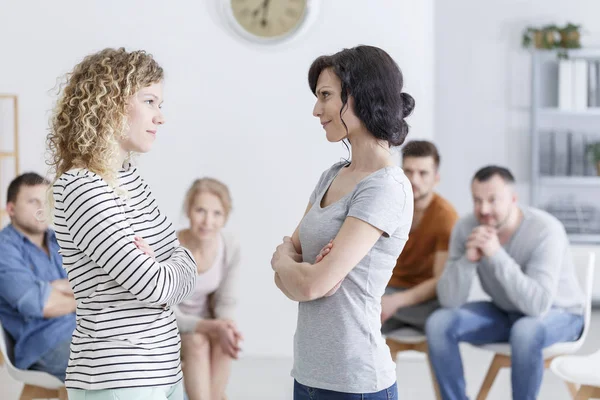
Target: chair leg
[396, 347]
[500, 361]
[587, 392]
[572, 389]
[31, 392]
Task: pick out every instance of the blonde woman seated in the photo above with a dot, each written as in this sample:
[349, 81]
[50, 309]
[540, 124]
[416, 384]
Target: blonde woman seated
[210, 339]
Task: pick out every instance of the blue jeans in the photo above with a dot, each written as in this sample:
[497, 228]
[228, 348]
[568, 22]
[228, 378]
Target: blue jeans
[55, 361]
[483, 323]
[302, 392]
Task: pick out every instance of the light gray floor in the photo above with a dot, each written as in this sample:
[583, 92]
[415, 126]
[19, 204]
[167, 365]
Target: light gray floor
[269, 378]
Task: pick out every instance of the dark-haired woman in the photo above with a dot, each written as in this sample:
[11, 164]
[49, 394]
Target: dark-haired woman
[340, 258]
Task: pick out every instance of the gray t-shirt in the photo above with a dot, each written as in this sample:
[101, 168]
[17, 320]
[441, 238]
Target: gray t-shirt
[338, 343]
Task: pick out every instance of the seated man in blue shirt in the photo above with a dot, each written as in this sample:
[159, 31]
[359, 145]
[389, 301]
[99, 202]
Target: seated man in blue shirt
[37, 306]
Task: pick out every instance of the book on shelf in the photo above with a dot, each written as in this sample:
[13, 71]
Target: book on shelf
[578, 84]
[564, 153]
[576, 154]
[560, 162]
[546, 153]
[565, 85]
[593, 100]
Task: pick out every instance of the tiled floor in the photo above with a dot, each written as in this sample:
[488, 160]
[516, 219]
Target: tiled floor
[269, 379]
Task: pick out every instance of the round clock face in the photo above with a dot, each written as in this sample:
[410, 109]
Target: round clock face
[269, 19]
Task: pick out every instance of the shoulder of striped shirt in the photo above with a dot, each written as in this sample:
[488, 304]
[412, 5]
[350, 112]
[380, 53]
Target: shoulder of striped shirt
[77, 174]
[72, 179]
[68, 180]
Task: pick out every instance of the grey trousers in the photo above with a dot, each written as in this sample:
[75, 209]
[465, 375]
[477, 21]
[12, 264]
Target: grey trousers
[413, 316]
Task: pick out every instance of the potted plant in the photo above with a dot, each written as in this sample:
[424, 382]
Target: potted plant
[570, 36]
[542, 38]
[593, 151]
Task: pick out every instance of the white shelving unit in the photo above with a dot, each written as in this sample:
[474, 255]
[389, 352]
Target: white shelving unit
[572, 197]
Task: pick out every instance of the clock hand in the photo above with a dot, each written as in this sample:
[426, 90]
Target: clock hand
[265, 8]
[258, 9]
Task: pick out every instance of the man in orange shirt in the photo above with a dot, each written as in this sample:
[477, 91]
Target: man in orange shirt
[411, 293]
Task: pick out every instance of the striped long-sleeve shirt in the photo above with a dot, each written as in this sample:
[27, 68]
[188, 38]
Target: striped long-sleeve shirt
[126, 334]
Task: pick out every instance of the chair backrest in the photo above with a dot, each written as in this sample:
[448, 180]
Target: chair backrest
[7, 346]
[586, 278]
[28, 377]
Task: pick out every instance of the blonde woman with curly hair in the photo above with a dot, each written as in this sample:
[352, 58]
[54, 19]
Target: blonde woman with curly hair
[210, 338]
[123, 260]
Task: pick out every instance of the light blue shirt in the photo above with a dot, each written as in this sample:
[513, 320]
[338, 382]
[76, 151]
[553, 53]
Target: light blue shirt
[25, 275]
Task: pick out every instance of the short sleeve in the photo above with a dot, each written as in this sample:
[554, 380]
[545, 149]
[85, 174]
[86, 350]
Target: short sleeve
[380, 201]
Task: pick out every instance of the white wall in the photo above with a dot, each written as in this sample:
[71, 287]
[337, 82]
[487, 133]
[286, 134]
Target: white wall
[482, 92]
[483, 84]
[235, 112]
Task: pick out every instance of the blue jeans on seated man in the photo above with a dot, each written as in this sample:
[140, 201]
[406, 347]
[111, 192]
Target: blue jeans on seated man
[484, 323]
[55, 361]
[302, 392]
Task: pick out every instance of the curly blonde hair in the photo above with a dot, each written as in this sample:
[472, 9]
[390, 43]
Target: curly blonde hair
[91, 113]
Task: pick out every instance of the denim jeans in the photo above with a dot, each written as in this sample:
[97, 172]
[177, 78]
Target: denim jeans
[483, 323]
[55, 361]
[302, 392]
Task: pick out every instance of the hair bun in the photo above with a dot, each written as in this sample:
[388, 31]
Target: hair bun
[408, 104]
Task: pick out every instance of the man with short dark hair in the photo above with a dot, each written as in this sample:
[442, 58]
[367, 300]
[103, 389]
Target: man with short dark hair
[36, 302]
[410, 296]
[523, 260]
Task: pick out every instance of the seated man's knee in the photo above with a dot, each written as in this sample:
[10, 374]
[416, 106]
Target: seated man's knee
[440, 324]
[527, 333]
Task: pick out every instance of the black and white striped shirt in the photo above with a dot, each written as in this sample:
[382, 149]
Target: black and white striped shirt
[126, 333]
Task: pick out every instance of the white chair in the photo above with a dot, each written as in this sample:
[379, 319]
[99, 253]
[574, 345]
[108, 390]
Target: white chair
[502, 350]
[581, 370]
[37, 384]
[405, 339]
